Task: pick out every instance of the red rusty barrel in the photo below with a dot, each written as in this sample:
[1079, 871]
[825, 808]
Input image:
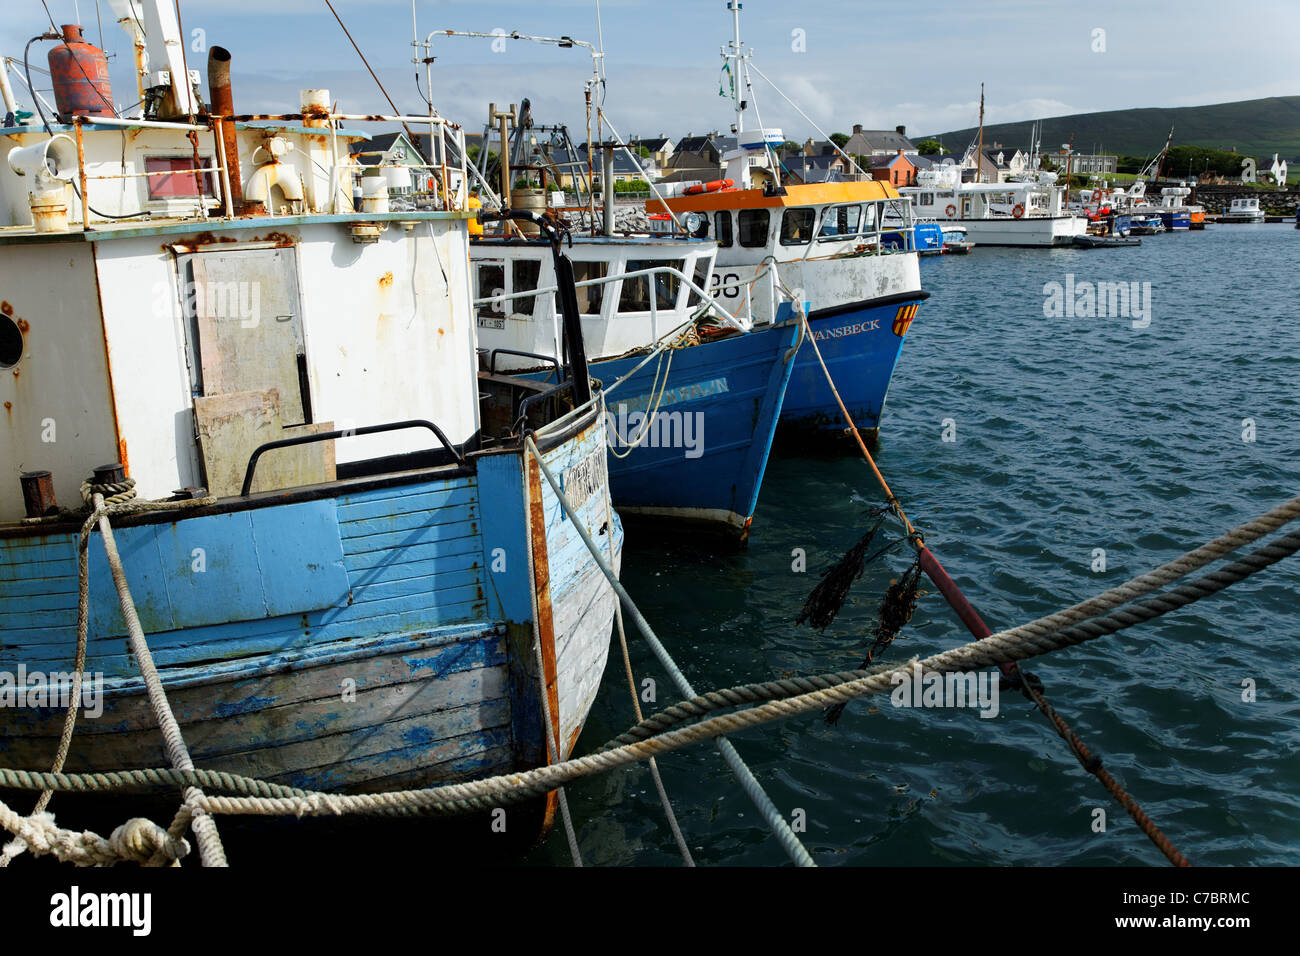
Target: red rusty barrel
[80, 74]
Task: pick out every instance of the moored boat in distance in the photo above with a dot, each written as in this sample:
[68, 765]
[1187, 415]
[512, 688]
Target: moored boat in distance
[1028, 213]
[364, 582]
[1243, 210]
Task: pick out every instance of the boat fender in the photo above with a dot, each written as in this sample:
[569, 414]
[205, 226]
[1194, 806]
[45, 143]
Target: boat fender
[1018, 211]
[951, 210]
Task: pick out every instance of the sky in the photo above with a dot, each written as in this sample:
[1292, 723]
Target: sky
[843, 62]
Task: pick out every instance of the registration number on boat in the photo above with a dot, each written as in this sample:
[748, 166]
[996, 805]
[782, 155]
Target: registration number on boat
[584, 479]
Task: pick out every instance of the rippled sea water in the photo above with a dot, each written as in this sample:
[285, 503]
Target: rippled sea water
[1072, 434]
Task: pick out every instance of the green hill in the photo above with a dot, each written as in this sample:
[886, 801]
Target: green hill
[1251, 127]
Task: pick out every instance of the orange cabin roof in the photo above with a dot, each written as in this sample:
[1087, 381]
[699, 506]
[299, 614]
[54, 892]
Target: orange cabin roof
[810, 194]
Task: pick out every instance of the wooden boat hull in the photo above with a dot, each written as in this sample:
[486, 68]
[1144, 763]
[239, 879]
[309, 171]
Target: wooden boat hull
[360, 636]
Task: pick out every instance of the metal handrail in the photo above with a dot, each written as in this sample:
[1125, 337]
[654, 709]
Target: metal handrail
[492, 358]
[343, 433]
[705, 296]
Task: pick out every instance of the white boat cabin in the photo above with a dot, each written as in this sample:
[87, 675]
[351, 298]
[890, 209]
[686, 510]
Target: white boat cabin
[623, 307]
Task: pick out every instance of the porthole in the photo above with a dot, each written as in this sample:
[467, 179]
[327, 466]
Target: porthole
[11, 342]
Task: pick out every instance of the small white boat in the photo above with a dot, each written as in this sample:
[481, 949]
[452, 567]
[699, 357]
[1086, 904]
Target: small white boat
[1243, 210]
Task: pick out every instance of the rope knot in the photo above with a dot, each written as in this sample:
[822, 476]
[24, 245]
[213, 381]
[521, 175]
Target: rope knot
[115, 493]
[139, 839]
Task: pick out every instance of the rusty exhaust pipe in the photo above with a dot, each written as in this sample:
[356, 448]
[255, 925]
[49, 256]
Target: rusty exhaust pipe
[222, 104]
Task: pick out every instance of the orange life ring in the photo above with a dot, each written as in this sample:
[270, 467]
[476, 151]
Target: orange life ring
[712, 187]
[1018, 211]
[1096, 195]
[951, 210]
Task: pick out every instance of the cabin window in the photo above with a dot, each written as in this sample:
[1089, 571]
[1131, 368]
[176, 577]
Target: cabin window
[11, 342]
[590, 297]
[524, 274]
[700, 277]
[722, 228]
[635, 295]
[797, 226]
[925, 199]
[174, 181]
[753, 226]
[870, 216]
[841, 222]
[492, 282]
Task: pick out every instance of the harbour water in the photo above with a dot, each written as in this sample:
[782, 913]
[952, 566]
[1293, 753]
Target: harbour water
[1072, 434]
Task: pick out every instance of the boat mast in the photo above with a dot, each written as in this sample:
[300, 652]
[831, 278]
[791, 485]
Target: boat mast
[979, 157]
[734, 60]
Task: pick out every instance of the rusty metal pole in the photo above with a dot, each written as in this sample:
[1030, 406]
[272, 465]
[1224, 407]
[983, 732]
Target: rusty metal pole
[81, 174]
[38, 493]
[223, 105]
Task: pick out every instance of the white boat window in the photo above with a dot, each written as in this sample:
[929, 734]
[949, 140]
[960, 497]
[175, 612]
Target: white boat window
[797, 226]
[753, 227]
[492, 282]
[524, 274]
[703, 264]
[722, 228]
[869, 217]
[925, 199]
[590, 297]
[841, 222]
[635, 295]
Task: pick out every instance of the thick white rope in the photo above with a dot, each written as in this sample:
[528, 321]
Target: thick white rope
[205, 828]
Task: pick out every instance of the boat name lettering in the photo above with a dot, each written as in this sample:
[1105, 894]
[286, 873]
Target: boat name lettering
[857, 328]
[671, 396]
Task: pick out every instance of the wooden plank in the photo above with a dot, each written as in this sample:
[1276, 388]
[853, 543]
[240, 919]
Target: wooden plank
[232, 425]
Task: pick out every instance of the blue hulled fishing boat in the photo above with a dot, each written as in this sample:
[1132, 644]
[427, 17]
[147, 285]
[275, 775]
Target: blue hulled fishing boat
[337, 541]
[694, 395]
[819, 248]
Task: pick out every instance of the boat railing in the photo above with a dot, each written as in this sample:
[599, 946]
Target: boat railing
[707, 301]
[450, 198]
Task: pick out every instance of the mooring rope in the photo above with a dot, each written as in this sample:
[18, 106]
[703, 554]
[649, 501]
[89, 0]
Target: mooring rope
[828, 689]
[748, 783]
[211, 851]
[680, 840]
[959, 603]
[123, 503]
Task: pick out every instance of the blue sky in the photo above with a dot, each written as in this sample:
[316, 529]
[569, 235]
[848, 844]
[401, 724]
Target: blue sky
[918, 64]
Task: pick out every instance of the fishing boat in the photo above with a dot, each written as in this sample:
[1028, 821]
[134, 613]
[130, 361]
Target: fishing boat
[927, 237]
[695, 392]
[1173, 210]
[1243, 210]
[351, 573]
[1025, 213]
[814, 248]
[694, 396]
[1104, 242]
